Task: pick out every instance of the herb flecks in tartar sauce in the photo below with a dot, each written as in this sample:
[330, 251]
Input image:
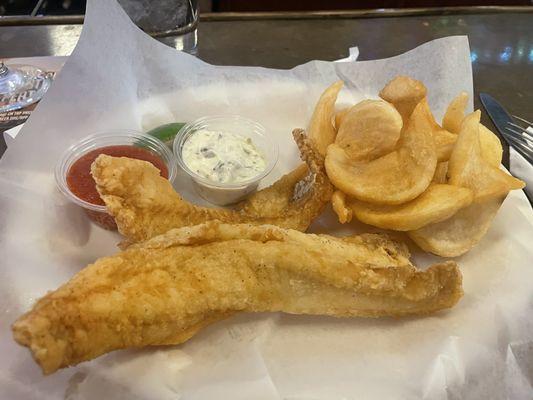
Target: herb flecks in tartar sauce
[222, 157]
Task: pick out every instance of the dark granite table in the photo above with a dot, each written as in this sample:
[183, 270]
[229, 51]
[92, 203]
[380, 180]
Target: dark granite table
[501, 43]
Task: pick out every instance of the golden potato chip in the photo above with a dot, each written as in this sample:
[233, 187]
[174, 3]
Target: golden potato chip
[468, 168]
[437, 203]
[339, 116]
[369, 130]
[458, 234]
[404, 93]
[320, 130]
[444, 142]
[338, 202]
[491, 147]
[394, 178]
[455, 113]
[440, 173]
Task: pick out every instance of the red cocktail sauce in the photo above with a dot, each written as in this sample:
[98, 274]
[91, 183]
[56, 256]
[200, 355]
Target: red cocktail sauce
[81, 183]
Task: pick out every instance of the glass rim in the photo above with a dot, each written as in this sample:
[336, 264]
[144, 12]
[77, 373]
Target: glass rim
[272, 156]
[85, 145]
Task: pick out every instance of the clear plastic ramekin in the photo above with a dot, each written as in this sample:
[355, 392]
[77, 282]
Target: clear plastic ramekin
[98, 213]
[227, 193]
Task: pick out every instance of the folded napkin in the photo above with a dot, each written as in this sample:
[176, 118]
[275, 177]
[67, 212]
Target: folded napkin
[11, 134]
[522, 169]
[352, 55]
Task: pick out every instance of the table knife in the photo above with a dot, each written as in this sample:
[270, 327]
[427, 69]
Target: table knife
[501, 119]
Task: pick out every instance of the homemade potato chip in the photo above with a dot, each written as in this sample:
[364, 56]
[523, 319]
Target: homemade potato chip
[444, 142]
[437, 203]
[369, 130]
[458, 234]
[338, 202]
[321, 131]
[440, 173]
[468, 168]
[404, 93]
[455, 113]
[394, 178]
[339, 117]
[491, 147]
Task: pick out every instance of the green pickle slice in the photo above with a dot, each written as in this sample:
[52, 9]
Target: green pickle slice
[167, 132]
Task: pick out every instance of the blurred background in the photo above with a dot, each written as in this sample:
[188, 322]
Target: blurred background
[74, 7]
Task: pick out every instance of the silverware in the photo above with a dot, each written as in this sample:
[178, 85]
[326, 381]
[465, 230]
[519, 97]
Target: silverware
[520, 138]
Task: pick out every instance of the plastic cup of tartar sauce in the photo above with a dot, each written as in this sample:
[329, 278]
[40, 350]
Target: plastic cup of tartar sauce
[225, 156]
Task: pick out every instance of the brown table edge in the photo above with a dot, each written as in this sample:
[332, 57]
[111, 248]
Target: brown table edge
[18, 20]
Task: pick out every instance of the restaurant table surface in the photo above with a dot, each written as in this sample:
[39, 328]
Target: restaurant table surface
[501, 45]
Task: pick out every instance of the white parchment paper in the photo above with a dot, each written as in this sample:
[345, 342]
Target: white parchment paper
[118, 77]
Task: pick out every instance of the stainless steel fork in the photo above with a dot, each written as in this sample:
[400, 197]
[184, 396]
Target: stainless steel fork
[520, 137]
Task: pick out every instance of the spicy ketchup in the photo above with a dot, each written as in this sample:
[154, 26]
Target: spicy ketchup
[81, 183]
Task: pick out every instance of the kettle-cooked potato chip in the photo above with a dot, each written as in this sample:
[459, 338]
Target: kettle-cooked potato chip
[458, 234]
[404, 93]
[453, 117]
[440, 173]
[437, 203]
[321, 131]
[369, 130]
[468, 168]
[444, 142]
[394, 178]
[491, 147]
[339, 117]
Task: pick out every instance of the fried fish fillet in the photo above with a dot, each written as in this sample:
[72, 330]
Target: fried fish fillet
[145, 205]
[164, 290]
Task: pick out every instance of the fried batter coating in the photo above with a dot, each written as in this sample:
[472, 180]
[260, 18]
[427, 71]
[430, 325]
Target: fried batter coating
[145, 205]
[162, 291]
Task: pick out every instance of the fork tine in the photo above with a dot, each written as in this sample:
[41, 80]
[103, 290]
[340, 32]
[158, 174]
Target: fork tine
[524, 132]
[519, 136]
[523, 120]
[526, 155]
[518, 133]
[521, 146]
[523, 153]
[518, 126]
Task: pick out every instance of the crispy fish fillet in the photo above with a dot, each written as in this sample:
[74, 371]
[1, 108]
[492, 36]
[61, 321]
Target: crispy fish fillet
[145, 205]
[164, 290]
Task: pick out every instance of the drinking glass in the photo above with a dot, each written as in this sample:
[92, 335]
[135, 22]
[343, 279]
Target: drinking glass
[173, 22]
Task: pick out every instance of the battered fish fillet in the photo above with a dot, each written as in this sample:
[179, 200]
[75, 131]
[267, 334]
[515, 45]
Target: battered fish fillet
[145, 205]
[164, 290]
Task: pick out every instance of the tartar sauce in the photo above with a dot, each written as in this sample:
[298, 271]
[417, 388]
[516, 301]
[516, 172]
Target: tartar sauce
[222, 157]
